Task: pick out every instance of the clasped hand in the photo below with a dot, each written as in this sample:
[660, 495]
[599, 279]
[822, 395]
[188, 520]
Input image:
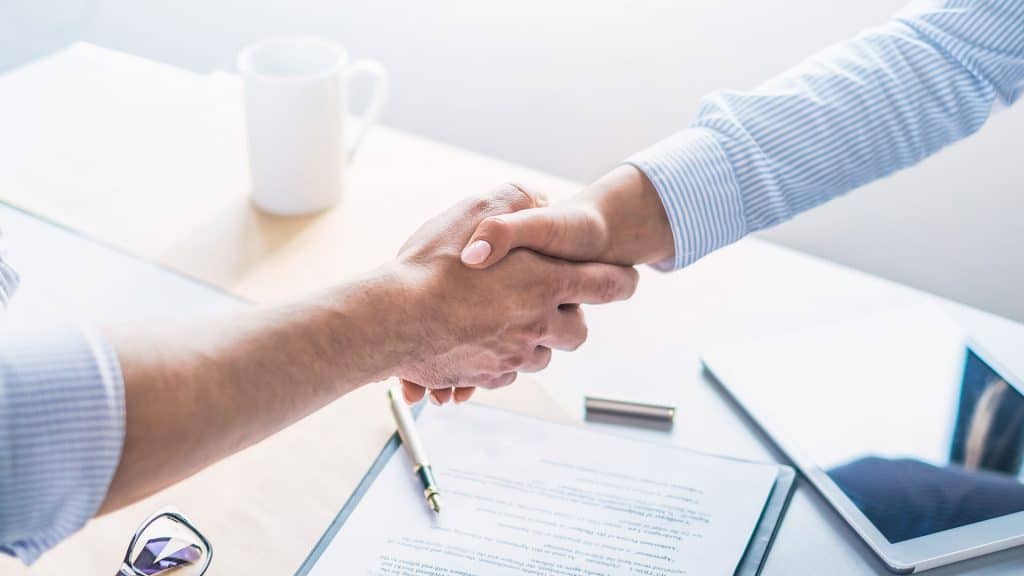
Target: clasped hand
[495, 310]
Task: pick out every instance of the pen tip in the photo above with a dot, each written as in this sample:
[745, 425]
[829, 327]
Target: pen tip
[435, 502]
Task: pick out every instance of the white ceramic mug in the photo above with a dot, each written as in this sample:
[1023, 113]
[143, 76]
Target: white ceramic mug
[296, 101]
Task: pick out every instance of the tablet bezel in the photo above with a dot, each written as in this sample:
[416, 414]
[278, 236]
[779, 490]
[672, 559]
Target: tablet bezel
[914, 555]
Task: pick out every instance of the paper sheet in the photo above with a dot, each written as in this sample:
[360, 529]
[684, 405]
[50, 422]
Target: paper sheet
[525, 496]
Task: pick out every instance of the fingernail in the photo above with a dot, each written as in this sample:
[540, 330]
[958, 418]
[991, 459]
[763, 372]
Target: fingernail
[408, 399]
[476, 252]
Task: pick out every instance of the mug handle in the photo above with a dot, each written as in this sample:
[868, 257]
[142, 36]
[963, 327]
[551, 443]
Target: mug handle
[379, 75]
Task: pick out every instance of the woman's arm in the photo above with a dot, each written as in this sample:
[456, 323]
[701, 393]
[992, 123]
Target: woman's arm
[855, 112]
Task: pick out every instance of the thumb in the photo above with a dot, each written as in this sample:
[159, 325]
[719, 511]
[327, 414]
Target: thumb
[496, 236]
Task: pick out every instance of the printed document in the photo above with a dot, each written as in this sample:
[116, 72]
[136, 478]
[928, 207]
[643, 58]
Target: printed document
[524, 496]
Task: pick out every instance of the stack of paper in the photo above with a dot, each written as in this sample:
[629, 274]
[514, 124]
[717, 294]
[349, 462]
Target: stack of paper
[525, 496]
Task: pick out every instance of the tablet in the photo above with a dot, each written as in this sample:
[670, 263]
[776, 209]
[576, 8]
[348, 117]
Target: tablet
[911, 431]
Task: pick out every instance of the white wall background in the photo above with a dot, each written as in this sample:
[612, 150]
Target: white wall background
[573, 86]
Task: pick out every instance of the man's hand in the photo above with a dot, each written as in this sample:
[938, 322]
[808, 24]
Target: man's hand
[479, 328]
[618, 220]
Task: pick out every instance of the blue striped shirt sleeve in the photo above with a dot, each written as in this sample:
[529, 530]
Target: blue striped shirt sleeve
[62, 422]
[8, 276]
[856, 112]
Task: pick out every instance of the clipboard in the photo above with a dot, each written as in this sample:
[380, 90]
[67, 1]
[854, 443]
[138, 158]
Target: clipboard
[763, 536]
[749, 565]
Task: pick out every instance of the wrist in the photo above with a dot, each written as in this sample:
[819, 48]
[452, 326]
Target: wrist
[372, 323]
[631, 212]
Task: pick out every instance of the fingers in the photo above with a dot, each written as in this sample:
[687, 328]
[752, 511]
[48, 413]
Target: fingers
[495, 236]
[568, 329]
[508, 197]
[538, 360]
[463, 394]
[441, 395]
[594, 283]
[503, 380]
[573, 232]
[413, 393]
[513, 196]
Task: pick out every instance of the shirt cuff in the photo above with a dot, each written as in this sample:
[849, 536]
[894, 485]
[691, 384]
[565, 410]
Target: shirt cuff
[699, 192]
[62, 425]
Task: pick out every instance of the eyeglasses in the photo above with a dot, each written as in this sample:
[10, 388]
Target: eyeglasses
[167, 543]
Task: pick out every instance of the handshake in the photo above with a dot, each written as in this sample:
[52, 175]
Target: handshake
[480, 293]
[491, 287]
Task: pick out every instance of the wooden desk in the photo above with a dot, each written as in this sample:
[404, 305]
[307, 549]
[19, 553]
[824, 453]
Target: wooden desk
[150, 158]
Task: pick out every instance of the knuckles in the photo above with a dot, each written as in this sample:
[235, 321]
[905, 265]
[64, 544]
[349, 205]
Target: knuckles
[538, 329]
[618, 285]
[610, 288]
[583, 334]
[500, 380]
[514, 196]
[633, 282]
[511, 363]
[508, 197]
[544, 360]
[492, 227]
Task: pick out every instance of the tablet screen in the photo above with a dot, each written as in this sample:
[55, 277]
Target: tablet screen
[918, 429]
[911, 495]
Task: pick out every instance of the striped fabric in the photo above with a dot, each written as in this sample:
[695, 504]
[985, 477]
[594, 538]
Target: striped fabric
[856, 112]
[61, 430]
[8, 277]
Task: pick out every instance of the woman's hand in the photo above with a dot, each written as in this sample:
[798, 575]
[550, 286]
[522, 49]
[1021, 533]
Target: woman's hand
[618, 220]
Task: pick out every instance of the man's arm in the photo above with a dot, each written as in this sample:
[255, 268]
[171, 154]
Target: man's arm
[61, 429]
[196, 394]
[853, 113]
[159, 405]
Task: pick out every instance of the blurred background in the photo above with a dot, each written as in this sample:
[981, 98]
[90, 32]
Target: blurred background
[573, 86]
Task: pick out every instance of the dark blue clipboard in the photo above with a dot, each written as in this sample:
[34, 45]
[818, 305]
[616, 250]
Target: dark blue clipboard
[350, 505]
[771, 517]
[750, 565]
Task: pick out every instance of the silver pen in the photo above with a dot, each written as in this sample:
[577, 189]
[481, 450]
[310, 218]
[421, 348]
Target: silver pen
[411, 440]
[629, 413]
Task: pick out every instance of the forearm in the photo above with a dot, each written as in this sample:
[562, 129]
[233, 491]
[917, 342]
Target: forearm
[199, 392]
[854, 113]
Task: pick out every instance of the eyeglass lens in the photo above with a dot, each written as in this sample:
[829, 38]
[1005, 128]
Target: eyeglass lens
[169, 547]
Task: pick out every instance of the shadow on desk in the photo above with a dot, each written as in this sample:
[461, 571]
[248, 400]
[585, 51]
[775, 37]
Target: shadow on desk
[234, 241]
